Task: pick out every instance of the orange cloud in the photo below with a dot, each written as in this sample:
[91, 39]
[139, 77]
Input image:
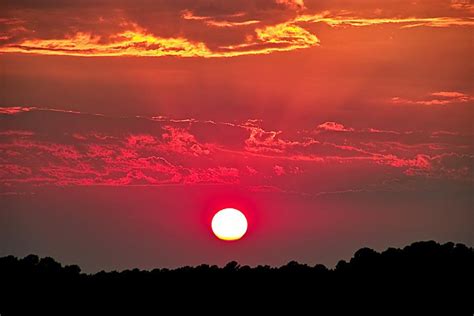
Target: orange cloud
[345, 19]
[437, 98]
[227, 29]
[462, 5]
[287, 33]
[292, 4]
[188, 15]
[135, 42]
[449, 94]
[277, 38]
[230, 23]
[139, 42]
[210, 21]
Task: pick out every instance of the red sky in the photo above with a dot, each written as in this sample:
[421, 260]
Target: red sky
[332, 124]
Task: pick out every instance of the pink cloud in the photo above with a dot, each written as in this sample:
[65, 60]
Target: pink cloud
[271, 142]
[279, 170]
[181, 152]
[79, 136]
[16, 133]
[381, 131]
[13, 170]
[141, 140]
[181, 141]
[419, 162]
[218, 175]
[334, 127]
[251, 171]
[265, 189]
[442, 133]
[14, 110]
[262, 141]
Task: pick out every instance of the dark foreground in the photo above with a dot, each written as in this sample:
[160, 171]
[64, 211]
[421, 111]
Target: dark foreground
[425, 278]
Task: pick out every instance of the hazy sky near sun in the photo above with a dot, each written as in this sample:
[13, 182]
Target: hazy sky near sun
[332, 125]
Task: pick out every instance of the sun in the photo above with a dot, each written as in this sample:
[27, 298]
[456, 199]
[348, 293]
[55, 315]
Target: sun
[229, 224]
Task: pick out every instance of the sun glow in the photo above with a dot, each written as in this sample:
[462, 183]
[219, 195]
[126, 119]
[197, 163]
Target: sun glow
[229, 224]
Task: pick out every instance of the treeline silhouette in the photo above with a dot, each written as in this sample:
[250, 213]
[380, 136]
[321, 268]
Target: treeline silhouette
[425, 278]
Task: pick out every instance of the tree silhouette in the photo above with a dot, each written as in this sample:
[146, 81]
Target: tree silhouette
[422, 278]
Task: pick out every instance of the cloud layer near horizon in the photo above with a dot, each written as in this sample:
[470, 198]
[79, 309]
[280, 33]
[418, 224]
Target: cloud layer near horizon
[44, 147]
[203, 28]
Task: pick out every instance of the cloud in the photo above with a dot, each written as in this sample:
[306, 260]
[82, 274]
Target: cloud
[451, 165]
[251, 170]
[14, 110]
[343, 19]
[188, 15]
[181, 141]
[139, 140]
[67, 148]
[437, 98]
[279, 170]
[219, 175]
[292, 4]
[134, 42]
[224, 22]
[17, 133]
[265, 189]
[334, 127]
[465, 5]
[449, 94]
[264, 142]
[137, 41]
[288, 34]
[199, 29]
[12, 170]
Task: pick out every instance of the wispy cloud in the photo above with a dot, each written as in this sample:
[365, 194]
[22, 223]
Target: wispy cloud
[437, 98]
[222, 22]
[14, 110]
[344, 19]
[334, 127]
[292, 4]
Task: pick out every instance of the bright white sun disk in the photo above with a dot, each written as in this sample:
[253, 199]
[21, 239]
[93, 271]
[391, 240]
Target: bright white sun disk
[229, 224]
